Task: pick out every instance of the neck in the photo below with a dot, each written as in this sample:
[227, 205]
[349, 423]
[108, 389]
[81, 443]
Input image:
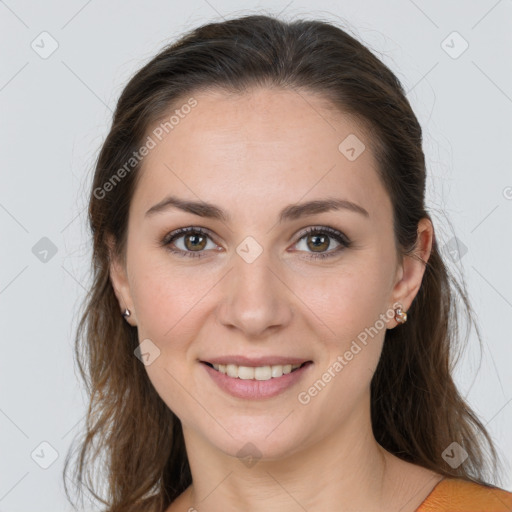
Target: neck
[344, 470]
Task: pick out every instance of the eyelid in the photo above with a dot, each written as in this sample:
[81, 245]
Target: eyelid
[335, 233]
[343, 242]
[179, 232]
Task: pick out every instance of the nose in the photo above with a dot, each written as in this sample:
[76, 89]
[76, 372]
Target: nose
[256, 300]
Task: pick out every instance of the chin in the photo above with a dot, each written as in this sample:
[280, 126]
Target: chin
[250, 438]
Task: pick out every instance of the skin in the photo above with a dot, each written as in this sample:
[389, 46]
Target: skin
[252, 155]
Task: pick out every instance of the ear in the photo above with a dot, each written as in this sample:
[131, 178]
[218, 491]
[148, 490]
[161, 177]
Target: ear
[119, 280]
[412, 269]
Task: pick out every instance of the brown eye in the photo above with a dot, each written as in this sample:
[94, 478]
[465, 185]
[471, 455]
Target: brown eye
[195, 242]
[318, 243]
[188, 241]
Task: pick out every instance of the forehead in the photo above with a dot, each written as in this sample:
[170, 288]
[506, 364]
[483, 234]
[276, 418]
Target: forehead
[277, 144]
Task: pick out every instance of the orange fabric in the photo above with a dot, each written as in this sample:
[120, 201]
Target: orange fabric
[457, 495]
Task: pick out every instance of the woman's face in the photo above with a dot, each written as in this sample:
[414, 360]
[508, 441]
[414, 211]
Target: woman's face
[254, 283]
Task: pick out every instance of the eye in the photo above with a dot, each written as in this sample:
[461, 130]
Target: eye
[318, 239]
[189, 241]
[192, 242]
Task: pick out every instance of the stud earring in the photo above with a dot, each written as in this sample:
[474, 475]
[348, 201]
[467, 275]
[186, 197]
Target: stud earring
[400, 315]
[126, 313]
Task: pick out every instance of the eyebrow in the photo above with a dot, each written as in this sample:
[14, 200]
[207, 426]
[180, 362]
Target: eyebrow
[289, 213]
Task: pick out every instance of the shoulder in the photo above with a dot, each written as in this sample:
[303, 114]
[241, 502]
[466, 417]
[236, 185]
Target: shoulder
[458, 495]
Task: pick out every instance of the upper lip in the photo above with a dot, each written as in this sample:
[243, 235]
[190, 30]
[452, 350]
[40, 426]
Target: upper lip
[255, 361]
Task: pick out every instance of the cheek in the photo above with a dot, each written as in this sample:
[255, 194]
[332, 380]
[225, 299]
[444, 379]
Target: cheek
[164, 296]
[167, 314]
[350, 311]
[346, 299]
[349, 307]
[158, 303]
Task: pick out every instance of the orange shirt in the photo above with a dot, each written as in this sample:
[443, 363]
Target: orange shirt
[458, 495]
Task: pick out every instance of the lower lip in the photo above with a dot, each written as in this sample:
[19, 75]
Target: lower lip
[252, 388]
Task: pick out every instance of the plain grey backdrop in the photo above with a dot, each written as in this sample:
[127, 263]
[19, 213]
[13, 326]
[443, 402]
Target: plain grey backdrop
[63, 66]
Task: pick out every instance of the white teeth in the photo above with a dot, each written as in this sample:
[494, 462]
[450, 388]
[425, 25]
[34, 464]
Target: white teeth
[258, 372]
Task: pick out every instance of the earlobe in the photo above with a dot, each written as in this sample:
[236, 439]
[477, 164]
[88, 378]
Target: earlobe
[413, 266]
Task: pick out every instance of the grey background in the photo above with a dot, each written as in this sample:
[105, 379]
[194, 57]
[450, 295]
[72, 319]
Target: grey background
[55, 112]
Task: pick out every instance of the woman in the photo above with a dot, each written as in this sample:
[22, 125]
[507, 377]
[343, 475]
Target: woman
[271, 323]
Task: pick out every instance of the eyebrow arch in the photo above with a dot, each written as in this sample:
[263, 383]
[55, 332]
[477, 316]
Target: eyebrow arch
[289, 213]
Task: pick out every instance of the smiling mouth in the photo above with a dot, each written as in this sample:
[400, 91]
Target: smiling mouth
[256, 372]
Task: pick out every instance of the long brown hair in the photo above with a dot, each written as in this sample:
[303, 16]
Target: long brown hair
[416, 409]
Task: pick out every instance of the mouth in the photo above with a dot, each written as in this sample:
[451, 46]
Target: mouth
[260, 373]
[256, 382]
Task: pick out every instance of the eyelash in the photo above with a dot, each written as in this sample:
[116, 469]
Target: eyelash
[344, 242]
